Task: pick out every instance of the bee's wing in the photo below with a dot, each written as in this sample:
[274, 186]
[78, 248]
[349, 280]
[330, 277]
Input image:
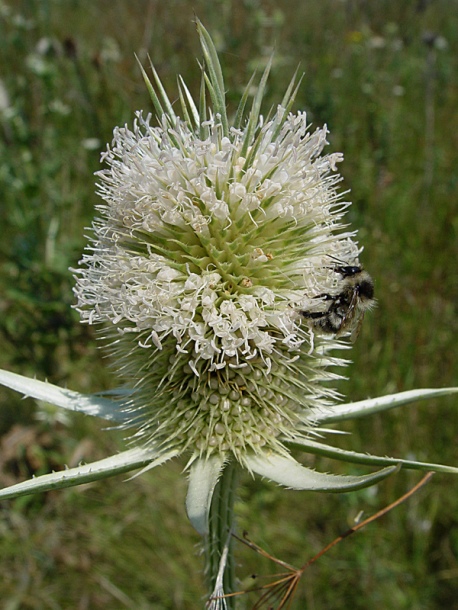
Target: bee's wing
[357, 326]
[352, 316]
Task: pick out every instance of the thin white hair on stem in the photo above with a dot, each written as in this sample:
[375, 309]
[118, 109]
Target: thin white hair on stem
[217, 599]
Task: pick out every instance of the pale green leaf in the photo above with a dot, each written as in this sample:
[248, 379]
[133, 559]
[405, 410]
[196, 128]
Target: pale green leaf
[336, 453]
[90, 404]
[190, 111]
[290, 473]
[215, 73]
[102, 469]
[370, 406]
[203, 131]
[291, 91]
[164, 456]
[154, 98]
[287, 102]
[163, 108]
[253, 119]
[241, 107]
[203, 477]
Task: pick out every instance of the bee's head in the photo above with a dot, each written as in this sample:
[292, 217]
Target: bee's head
[348, 270]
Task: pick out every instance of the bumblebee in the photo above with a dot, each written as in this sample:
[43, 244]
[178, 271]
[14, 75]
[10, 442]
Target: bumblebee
[345, 310]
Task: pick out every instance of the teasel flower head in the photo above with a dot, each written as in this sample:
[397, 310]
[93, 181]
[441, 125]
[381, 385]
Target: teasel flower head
[223, 279]
[213, 237]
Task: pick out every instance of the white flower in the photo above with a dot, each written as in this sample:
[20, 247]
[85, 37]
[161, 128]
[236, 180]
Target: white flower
[218, 256]
[207, 247]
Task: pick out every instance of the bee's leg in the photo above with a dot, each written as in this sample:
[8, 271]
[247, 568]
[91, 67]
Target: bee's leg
[313, 315]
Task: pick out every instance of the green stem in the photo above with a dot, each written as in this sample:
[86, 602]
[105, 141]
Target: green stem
[219, 541]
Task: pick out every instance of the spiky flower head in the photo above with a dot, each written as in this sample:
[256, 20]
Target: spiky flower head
[211, 240]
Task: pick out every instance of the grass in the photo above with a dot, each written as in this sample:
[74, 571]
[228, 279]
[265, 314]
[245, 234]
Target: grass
[383, 76]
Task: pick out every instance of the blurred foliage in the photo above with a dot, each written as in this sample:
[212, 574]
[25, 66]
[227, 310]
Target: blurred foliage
[384, 77]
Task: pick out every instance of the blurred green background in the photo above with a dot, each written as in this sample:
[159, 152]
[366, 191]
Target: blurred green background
[383, 76]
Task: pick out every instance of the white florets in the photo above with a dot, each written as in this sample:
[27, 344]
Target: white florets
[207, 250]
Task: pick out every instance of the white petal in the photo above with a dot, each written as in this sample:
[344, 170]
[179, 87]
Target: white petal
[290, 473]
[89, 404]
[108, 467]
[375, 405]
[203, 477]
